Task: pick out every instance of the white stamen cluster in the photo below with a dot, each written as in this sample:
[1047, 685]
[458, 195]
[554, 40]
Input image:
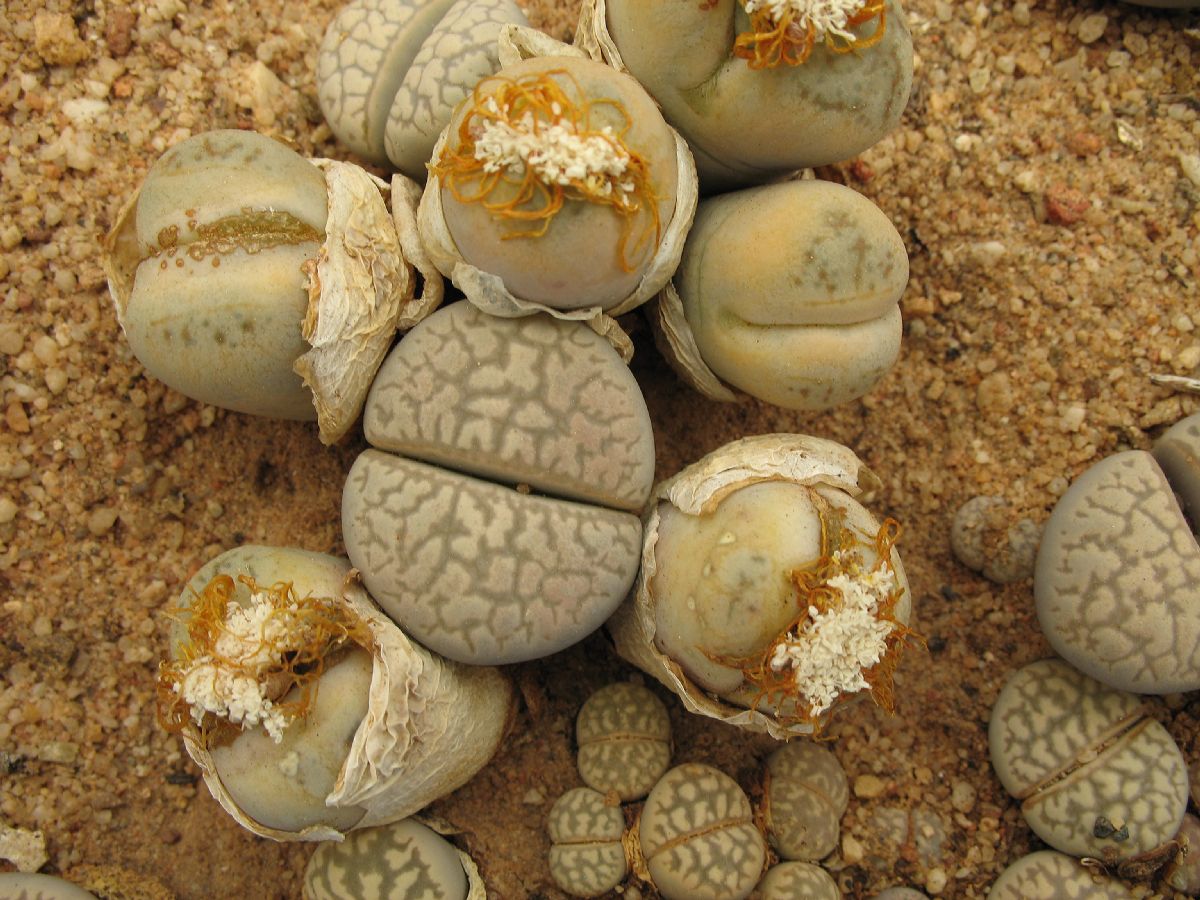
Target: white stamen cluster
[831, 651]
[555, 151]
[228, 682]
[825, 17]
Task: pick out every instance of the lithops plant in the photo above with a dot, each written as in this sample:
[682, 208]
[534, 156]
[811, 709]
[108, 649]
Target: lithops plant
[587, 857]
[390, 72]
[247, 277]
[787, 292]
[1178, 453]
[762, 87]
[1095, 777]
[1115, 582]
[405, 859]
[900, 893]
[1047, 875]
[31, 886]
[307, 710]
[455, 547]
[768, 594]
[624, 738]
[792, 880]
[984, 537]
[805, 797]
[698, 838]
[557, 186]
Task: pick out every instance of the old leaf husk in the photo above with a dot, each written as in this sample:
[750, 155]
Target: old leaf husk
[359, 288]
[699, 489]
[675, 341]
[121, 256]
[593, 38]
[406, 196]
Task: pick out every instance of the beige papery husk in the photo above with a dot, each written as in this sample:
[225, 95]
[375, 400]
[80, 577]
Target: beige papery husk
[698, 490]
[361, 291]
[430, 725]
[487, 291]
[592, 37]
[675, 341]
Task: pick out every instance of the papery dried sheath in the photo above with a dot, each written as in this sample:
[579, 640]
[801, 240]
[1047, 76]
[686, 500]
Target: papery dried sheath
[360, 290]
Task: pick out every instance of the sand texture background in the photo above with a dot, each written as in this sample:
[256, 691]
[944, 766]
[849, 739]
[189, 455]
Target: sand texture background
[1045, 180]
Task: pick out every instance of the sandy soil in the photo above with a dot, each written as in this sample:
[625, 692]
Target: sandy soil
[1037, 180]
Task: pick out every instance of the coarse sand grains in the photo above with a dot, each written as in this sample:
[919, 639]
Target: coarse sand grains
[1044, 179]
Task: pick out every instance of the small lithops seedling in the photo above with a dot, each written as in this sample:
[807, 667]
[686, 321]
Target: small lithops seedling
[985, 538]
[768, 594]
[788, 292]
[806, 797]
[900, 893]
[295, 696]
[30, 886]
[1095, 777]
[698, 837]
[406, 859]
[390, 72]
[247, 277]
[1117, 570]
[1047, 875]
[587, 857]
[762, 87]
[792, 880]
[557, 185]
[473, 568]
[624, 737]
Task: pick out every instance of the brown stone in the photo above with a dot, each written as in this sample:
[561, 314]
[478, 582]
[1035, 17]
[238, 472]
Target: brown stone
[15, 418]
[1085, 143]
[1065, 205]
[118, 33]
